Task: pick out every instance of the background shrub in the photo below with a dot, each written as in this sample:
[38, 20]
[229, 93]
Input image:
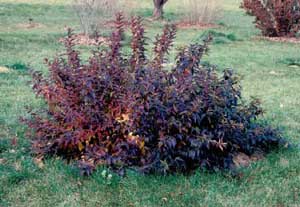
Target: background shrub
[201, 11]
[94, 14]
[275, 18]
[124, 111]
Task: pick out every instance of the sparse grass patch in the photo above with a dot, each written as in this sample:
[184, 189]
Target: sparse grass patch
[201, 11]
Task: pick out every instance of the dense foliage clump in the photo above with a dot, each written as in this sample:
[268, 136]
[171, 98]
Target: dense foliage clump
[275, 18]
[124, 111]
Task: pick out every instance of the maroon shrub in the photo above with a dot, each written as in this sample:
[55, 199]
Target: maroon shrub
[124, 111]
[275, 18]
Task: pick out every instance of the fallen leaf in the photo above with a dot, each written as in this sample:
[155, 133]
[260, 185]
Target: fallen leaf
[2, 161]
[17, 166]
[257, 156]
[80, 146]
[123, 118]
[241, 160]
[14, 141]
[12, 151]
[284, 162]
[296, 195]
[250, 179]
[273, 73]
[4, 69]
[294, 66]
[39, 162]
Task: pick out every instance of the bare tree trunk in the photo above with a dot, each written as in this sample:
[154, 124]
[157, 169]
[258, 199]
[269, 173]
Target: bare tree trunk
[158, 8]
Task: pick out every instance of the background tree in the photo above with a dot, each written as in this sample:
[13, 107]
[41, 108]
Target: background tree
[158, 8]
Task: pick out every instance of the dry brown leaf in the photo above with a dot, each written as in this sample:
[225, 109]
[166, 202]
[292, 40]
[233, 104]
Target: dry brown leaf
[39, 162]
[17, 166]
[272, 72]
[12, 151]
[284, 162]
[294, 66]
[257, 156]
[164, 199]
[241, 160]
[4, 69]
[14, 141]
[2, 161]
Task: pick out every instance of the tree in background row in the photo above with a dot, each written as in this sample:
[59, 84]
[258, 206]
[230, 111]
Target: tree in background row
[158, 8]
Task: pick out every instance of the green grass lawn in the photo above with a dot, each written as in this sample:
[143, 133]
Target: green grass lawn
[266, 73]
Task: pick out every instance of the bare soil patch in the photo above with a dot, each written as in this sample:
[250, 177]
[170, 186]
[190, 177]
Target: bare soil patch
[82, 39]
[30, 25]
[202, 26]
[243, 160]
[280, 39]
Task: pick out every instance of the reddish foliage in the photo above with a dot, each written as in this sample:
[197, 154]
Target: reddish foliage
[275, 18]
[85, 104]
[127, 111]
[162, 45]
